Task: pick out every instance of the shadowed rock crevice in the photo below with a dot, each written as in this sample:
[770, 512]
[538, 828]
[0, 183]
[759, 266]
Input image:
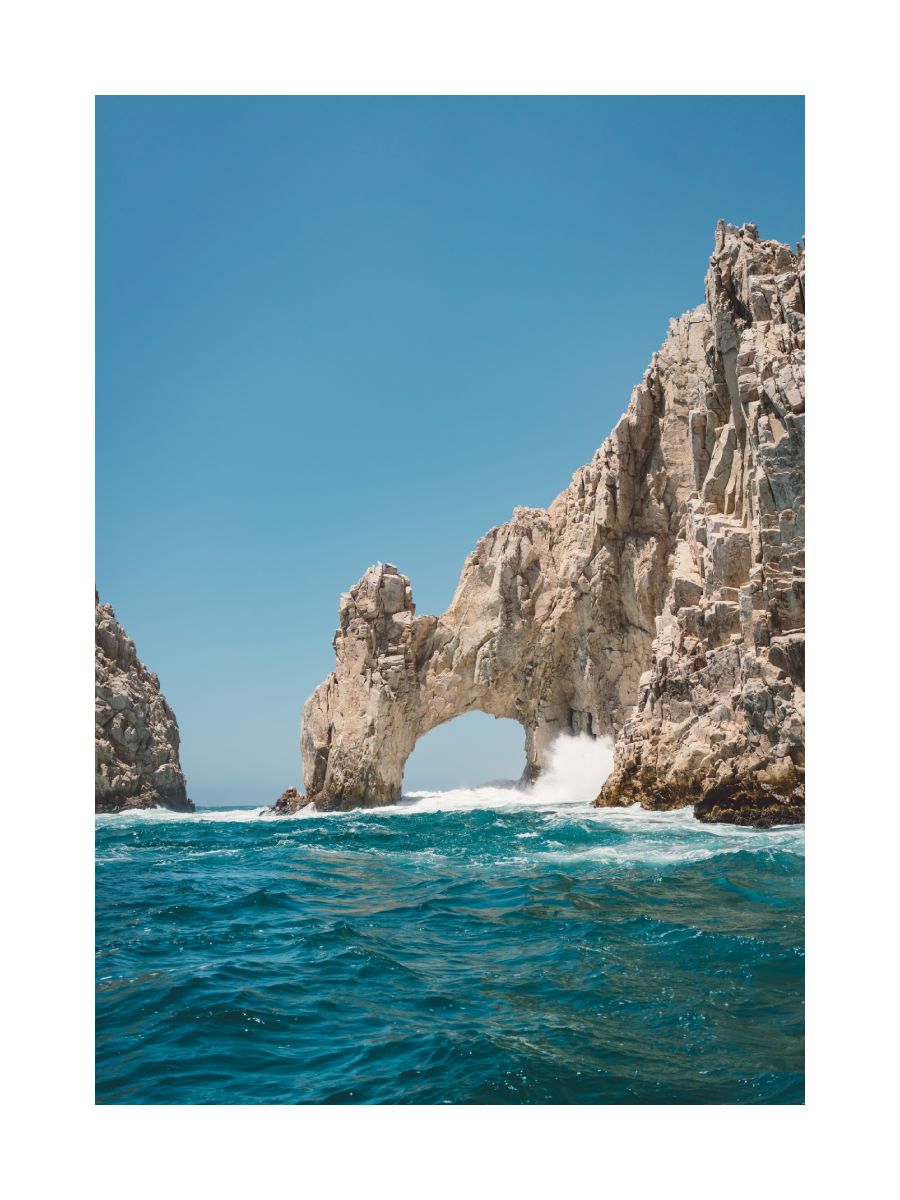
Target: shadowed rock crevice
[659, 599]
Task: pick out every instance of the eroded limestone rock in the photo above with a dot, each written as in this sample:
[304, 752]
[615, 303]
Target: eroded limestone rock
[136, 735]
[659, 599]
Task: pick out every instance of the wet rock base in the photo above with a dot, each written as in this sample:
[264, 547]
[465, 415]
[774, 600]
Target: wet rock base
[287, 803]
[747, 801]
[147, 798]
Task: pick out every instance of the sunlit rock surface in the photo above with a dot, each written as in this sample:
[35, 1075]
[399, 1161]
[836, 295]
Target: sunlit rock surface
[659, 600]
[136, 735]
[719, 717]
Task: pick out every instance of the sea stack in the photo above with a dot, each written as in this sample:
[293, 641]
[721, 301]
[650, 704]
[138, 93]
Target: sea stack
[136, 734]
[659, 600]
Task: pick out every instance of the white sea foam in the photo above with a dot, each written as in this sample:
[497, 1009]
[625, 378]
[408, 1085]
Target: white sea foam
[166, 814]
[577, 767]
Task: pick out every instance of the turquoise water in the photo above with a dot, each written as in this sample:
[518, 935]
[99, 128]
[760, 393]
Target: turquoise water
[475, 947]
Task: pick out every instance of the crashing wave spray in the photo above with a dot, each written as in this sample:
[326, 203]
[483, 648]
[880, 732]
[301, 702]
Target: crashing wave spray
[577, 767]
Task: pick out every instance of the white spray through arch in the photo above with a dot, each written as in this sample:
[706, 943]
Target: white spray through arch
[578, 766]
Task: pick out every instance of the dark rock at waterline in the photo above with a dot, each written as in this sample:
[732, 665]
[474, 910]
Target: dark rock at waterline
[739, 800]
[784, 812]
[288, 802]
[760, 807]
[148, 798]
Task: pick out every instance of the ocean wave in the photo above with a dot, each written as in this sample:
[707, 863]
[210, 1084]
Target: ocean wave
[144, 816]
[555, 830]
[483, 945]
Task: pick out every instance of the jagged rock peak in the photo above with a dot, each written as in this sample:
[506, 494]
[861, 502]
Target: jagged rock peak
[136, 735]
[659, 598]
[719, 717]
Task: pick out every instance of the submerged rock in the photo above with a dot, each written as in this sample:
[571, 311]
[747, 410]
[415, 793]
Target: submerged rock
[658, 600]
[136, 735]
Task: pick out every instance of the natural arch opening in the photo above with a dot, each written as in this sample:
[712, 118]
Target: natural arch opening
[471, 750]
[399, 677]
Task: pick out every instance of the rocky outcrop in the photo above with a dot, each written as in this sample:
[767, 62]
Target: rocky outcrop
[719, 719]
[136, 734]
[288, 803]
[669, 573]
[751, 802]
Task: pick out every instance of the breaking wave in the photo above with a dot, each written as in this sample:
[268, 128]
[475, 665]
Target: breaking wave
[577, 767]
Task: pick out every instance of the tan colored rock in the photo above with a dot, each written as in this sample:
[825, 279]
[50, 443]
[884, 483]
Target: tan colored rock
[136, 735]
[659, 599]
[719, 720]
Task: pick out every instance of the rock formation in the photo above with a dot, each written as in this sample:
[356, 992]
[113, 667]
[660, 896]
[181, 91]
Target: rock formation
[289, 802]
[659, 599]
[136, 734]
[719, 718]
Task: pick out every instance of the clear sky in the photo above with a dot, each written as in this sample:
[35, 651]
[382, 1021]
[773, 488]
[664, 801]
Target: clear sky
[338, 330]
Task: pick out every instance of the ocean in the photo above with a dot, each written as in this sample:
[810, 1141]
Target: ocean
[477, 946]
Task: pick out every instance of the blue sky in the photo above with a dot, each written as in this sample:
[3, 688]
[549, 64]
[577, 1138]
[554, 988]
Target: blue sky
[337, 330]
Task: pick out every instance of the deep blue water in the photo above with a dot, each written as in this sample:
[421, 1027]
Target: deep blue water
[470, 948]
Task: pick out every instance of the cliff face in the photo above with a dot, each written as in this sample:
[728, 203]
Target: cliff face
[136, 734]
[668, 573]
[719, 714]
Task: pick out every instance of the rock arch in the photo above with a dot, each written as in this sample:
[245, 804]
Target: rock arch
[471, 751]
[659, 599]
[551, 625]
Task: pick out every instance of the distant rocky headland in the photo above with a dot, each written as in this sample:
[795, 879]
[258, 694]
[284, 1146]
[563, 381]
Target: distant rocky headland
[136, 735]
[659, 600]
